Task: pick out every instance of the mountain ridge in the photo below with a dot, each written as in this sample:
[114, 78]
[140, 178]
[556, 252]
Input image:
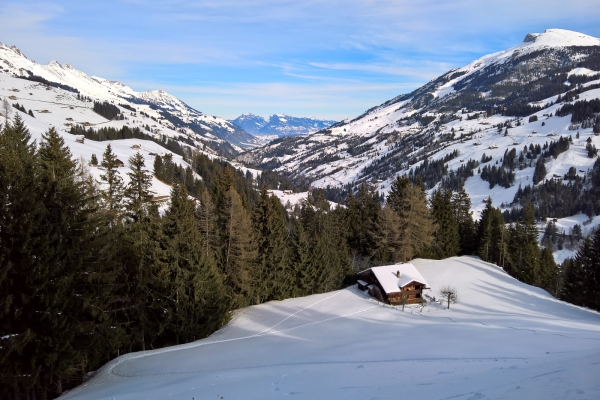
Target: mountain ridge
[14, 62]
[280, 125]
[453, 130]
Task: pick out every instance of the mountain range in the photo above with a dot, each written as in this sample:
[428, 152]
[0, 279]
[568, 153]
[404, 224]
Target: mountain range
[447, 131]
[195, 124]
[280, 125]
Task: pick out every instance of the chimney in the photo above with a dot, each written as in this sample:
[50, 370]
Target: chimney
[398, 274]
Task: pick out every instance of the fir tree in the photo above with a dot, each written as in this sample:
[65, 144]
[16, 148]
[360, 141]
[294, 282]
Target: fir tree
[141, 310]
[416, 228]
[446, 241]
[195, 297]
[466, 226]
[113, 193]
[19, 214]
[239, 250]
[272, 278]
[301, 259]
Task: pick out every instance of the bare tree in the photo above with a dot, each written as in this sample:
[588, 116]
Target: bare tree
[450, 294]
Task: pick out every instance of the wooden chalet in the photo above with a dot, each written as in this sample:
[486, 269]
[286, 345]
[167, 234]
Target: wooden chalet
[393, 284]
[119, 163]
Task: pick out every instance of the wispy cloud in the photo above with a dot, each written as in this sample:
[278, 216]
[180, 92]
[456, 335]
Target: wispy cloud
[334, 57]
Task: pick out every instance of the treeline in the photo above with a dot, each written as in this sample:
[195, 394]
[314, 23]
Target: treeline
[90, 272]
[107, 110]
[110, 133]
[582, 275]
[23, 109]
[560, 197]
[580, 110]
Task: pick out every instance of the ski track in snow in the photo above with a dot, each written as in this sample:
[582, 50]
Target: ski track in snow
[267, 331]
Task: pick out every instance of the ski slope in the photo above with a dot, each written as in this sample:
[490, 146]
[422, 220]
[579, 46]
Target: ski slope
[503, 340]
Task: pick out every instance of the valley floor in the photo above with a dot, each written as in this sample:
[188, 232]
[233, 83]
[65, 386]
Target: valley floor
[504, 339]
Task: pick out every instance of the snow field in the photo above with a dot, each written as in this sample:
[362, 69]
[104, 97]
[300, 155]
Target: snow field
[504, 339]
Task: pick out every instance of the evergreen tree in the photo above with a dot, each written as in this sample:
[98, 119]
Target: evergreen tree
[524, 249]
[416, 228]
[446, 241]
[492, 236]
[548, 278]
[389, 250]
[272, 277]
[139, 284]
[113, 193]
[195, 298]
[466, 226]
[206, 219]
[363, 220]
[239, 250]
[19, 213]
[301, 259]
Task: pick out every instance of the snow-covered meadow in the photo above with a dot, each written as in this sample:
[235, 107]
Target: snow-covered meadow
[504, 339]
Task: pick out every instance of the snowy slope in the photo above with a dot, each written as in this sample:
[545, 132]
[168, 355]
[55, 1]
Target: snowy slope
[280, 125]
[393, 138]
[503, 340]
[15, 63]
[55, 107]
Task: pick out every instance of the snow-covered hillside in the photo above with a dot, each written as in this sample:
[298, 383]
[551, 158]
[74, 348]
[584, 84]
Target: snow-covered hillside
[55, 107]
[164, 105]
[503, 340]
[280, 125]
[459, 111]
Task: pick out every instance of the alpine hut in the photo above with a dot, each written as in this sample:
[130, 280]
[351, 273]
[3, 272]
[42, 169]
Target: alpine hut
[394, 284]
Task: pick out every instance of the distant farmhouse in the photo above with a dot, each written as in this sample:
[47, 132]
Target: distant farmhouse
[393, 284]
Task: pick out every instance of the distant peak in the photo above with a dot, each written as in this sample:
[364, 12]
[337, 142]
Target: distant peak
[54, 62]
[530, 37]
[555, 37]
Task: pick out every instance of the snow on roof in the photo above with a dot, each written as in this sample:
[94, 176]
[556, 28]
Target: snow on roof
[386, 275]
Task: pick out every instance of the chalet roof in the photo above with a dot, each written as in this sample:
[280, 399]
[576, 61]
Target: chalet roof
[386, 275]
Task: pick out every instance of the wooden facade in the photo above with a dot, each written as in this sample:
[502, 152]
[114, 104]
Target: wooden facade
[409, 292]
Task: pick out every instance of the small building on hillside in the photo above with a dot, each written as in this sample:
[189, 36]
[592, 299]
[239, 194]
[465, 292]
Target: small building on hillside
[393, 284]
[119, 163]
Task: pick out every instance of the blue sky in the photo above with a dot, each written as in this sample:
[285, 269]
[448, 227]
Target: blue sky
[331, 59]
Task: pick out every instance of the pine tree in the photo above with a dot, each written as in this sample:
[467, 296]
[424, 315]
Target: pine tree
[195, 298]
[302, 262]
[113, 193]
[272, 277]
[389, 251]
[206, 218]
[446, 241]
[416, 228]
[492, 237]
[524, 249]
[466, 226]
[140, 288]
[19, 213]
[239, 250]
[548, 277]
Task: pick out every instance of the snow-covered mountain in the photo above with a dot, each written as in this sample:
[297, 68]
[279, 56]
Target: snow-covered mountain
[280, 125]
[503, 340]
[62, 109]
[166, 106]
[483, 107]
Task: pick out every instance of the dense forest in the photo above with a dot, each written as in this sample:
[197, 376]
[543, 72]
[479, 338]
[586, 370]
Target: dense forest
[91, 270]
